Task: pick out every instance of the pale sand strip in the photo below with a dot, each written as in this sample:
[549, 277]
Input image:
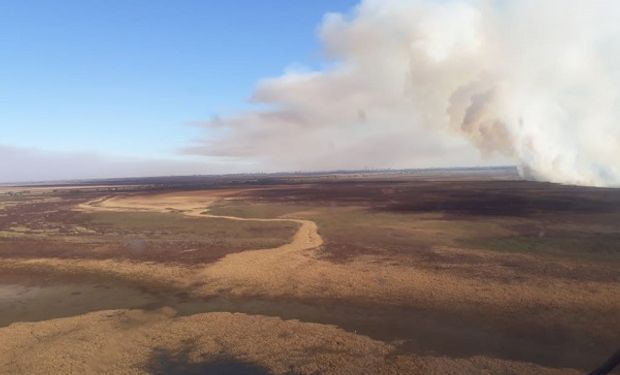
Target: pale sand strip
[297, 270]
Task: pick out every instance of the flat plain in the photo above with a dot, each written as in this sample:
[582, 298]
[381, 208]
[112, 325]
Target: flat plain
[445, 273]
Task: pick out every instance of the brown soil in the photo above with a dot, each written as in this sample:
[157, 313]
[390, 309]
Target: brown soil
[393, 244]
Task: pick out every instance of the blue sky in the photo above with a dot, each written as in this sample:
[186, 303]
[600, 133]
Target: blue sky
[122, 88]
[125, 77]
[114, 88]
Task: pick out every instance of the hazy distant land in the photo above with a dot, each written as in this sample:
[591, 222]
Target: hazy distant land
[433, 271]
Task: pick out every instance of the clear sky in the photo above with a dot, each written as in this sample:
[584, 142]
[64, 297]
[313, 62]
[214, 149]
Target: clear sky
[125, 77]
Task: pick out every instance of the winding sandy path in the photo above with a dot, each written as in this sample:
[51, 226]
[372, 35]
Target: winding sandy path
[298, 270]
[295, 269]
[252, 271]
[306, 237]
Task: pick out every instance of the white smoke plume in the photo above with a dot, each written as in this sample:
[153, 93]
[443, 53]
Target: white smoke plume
[419, 82]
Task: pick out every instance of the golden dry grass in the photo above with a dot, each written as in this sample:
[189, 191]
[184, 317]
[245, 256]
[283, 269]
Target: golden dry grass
[299, 270]
[128, 341]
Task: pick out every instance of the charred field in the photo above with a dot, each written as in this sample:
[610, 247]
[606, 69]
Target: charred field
[338, 273]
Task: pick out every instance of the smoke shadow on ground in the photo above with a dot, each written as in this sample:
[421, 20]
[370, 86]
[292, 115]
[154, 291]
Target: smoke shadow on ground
[168, 362]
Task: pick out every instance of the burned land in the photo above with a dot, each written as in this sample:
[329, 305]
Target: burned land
[414, 274]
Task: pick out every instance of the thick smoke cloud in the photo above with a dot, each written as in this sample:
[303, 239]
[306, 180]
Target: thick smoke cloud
[429, 83]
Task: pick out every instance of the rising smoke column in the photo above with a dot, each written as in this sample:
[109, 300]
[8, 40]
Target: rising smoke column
[543, 87]
[427, 82]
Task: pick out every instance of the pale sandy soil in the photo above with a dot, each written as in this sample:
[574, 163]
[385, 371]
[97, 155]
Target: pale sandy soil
[125, 341]
[293, 270]
[296, 270]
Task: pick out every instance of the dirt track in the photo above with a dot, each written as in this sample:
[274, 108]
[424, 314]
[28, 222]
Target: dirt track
[296, 270]
[306, 238]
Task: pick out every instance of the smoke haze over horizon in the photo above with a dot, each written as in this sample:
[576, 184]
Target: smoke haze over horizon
[400, 84]
[421, 82]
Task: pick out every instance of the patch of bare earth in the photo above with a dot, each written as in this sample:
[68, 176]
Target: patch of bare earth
[517, 293]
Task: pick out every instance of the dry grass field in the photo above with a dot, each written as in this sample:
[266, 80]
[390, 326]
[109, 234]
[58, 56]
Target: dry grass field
[316, 275]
